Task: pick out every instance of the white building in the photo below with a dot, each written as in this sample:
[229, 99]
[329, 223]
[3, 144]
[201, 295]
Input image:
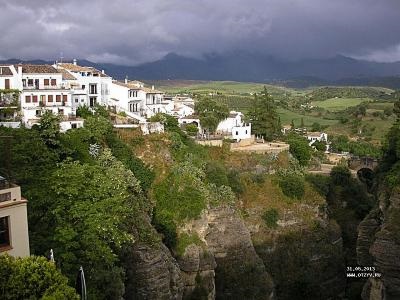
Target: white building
[234, 126]
[192, 119]
[312, 137]
[90, 81]
[14, 238]
[43, 89]
[136, 100]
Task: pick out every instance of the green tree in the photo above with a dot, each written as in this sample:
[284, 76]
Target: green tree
[299, 148]
[192, 129]
[210, 113]
[49, 128]
[32, 278]
[316, 127]
[170, 123]
[264, 116]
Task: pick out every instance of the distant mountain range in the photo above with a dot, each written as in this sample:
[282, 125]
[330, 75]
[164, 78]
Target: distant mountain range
[243, 66]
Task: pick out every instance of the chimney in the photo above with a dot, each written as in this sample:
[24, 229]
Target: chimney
[126, 79]
[20, 69]
[152, 87]
[102, 72]
[74, 61]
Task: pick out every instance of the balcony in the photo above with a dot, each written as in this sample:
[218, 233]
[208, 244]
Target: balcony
[44, 87]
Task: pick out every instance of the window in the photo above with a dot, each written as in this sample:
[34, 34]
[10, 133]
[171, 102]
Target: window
[83, 86]
[28, 99]
[34, 99]
[65, 98]
[5, 197]
[46, 82]
[24, 82]
[30, 82]
[237, 132]
[246, 131]
[76, 100]
[50, 98]
[53, 82]
[73, 126]
[38, 113]
[4, 232]
[43, 99]
[61, 112]
[93, 88]
[58, 98]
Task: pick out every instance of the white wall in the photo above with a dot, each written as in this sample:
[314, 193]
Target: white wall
[241, 132]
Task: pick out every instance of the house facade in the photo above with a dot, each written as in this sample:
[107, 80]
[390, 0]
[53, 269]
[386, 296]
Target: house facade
[14, 238]
[234, 126]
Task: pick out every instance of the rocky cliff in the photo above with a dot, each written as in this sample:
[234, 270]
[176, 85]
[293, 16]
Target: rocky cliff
[379, 244]
[240, 273]
[153, 274]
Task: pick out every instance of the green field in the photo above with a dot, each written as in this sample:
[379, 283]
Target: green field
[239, 96]
[224, 87]
[287, 116]
[338, 104]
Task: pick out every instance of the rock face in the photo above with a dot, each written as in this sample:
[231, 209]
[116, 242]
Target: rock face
[306, 263]
[197, 266]
[384, 249]
[154, 274]
[240, 273]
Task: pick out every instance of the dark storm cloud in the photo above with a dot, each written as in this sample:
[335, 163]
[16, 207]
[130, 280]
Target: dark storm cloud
[134, 31]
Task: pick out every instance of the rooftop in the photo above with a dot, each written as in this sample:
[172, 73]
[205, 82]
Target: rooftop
[5, 71]
[77, 68]
[38, 69]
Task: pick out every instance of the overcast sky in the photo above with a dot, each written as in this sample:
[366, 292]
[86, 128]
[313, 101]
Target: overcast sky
[136, 31]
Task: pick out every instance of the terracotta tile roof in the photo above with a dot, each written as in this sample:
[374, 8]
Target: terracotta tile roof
[38, 69]
[131, 85]
[5, 71]
[77, 68]
[66, 75]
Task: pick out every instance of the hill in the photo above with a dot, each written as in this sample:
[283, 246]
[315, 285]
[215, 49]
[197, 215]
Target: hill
[256, 67]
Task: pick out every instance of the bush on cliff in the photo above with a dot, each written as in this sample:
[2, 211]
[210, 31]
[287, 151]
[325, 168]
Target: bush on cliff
[292, 186]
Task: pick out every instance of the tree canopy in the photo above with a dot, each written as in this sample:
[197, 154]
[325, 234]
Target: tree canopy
[210, 113]
[264, 117]
[32, 278]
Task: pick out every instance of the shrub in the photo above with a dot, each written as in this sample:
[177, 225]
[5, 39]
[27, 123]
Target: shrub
[299, 148]
[191, 129]
[32, 278]
[340, 175]
[292, 186]
[271, 217]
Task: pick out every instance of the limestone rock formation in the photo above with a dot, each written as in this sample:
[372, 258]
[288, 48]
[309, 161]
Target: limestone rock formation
[385, 251]
[197, 266]
[153, 274]
[240, 273]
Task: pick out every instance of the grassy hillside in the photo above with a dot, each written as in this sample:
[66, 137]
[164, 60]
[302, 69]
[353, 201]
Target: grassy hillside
[337, 104]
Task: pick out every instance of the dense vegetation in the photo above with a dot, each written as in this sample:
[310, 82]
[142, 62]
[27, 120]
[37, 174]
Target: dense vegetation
[32, 278]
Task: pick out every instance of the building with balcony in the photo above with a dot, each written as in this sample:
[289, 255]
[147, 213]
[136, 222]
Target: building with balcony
[14, 238]
[136, 100]
[90, 81]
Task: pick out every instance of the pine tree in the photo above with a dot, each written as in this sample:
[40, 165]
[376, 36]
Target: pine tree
[264, 117]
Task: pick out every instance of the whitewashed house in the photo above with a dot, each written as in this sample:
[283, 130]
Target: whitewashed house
[9, 78]
[234, 126]
[192, 119]
[136, 100]
[92, 82]
[312, 137]
[43, 90]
